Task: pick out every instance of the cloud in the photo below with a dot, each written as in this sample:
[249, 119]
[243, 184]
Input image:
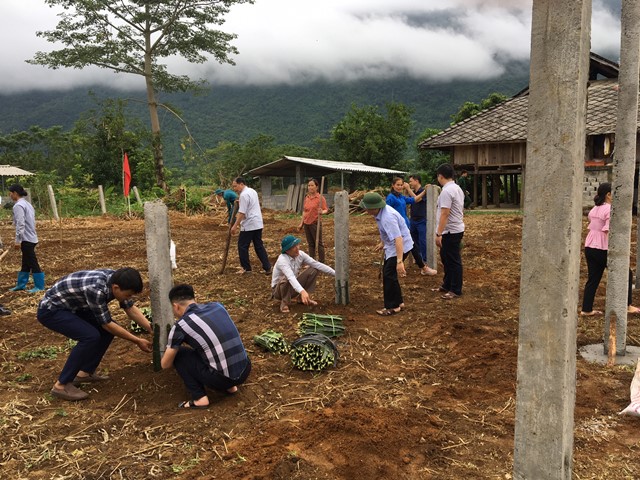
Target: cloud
[297, 41]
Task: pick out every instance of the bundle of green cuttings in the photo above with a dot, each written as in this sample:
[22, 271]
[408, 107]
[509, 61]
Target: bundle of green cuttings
[329, 325]
[134, 327]
[272, 341]
[313, 351]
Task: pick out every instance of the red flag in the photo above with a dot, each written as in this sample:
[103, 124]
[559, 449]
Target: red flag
[126, 175]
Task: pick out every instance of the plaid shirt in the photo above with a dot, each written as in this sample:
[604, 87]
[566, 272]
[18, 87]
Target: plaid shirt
[83, 290]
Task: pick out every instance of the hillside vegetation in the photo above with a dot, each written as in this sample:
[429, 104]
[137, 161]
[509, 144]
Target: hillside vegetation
[290, 114]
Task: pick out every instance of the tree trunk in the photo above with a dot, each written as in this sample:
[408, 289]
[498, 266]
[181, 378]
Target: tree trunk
[156, 141]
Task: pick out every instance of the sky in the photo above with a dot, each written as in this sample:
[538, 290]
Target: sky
[300, 41]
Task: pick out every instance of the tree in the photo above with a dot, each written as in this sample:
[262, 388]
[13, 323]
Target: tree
[469, 109]
[131, 36]
[428, 160]
[365, 135]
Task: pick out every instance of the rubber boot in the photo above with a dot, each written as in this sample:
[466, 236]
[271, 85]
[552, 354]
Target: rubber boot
[23, 279]
[38, 281]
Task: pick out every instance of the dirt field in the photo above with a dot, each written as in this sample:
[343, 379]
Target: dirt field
[428, 393]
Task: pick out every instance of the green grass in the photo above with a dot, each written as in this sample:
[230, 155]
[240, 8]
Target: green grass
[46, 352]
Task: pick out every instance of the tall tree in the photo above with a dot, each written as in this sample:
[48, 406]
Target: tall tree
[132, 36]
[366, 135]
[469, 109]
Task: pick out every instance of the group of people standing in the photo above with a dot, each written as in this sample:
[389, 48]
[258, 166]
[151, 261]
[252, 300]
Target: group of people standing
[397, 240]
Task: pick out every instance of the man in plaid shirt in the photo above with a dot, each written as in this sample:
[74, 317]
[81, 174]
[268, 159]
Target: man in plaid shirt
[77, 307]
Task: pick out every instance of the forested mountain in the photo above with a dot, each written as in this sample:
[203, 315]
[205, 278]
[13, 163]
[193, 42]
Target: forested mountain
[291, 114]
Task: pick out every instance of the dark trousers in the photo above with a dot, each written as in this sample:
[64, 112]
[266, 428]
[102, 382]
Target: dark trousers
[197, 375]
[244, 241]
[93, 340]
[418, 230]
[310, 231]
[392, 293]
[29, 259]
[452, 262]
[596, 264]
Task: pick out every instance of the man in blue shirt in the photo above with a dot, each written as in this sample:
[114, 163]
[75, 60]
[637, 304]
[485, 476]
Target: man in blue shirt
[77, 306]
[229, 196]
[214, 355]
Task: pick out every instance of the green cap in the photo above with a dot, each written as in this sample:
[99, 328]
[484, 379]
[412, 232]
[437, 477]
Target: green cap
[372, 200]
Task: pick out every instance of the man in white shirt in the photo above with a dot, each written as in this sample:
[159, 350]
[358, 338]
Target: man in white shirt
[249, 221]
[287, 277]
[449, 232]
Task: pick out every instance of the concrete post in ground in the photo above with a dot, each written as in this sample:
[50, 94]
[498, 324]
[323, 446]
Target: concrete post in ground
[432, 194]
[137, 194]
[551, 240]
[103, 206]
[623, 169]
[157, 233]
[341, 238]
[54, 205]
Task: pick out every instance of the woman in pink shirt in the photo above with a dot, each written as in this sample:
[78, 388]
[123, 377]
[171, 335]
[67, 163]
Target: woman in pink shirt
[596, 247]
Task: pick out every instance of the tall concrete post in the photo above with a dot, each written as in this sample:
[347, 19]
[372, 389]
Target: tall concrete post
[341, 238]
[103, 206]
[54, 205]
[623, 169]
[551, 240]
[157, 233]
[432, 194]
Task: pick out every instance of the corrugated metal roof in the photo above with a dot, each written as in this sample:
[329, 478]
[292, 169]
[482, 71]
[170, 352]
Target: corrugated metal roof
[507, 122]
[9, 171]
[286, 167]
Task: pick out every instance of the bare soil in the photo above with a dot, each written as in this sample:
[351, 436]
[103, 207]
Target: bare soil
[428, 393]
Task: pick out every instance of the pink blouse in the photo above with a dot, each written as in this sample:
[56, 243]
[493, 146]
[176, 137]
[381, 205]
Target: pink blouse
[598, 236]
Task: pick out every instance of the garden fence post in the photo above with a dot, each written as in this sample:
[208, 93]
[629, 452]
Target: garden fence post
[341, 239]
[103, 206]
[137, 194]
[432, 194]
[158, 238]
[54, 205]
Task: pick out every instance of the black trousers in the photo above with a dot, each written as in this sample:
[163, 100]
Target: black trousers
[244, 241]
[452, 262]
[197, 375]
[596, 264]
[391, 291]
[29, 259]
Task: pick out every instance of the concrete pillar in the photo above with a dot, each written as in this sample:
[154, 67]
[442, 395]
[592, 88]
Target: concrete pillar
[551, 240]
[103, 206]
[341, 239]
[475, 189]
[137, 194]
[265, 187]
[157, 233]
[433, 191]
[52, 201]
[623, 169]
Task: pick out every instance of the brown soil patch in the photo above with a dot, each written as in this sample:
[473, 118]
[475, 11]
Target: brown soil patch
[429, 393]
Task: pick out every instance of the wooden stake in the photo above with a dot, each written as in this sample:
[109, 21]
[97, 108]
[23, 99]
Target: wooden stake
[611, 361]
[236, 204]
[319, 216]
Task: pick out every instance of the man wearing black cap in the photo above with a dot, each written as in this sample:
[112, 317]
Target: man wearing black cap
[288, 276]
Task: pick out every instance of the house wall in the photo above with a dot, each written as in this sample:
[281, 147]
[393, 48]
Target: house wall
[593, 177]
[278, 202]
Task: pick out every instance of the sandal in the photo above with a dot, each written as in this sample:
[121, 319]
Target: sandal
[591, 313]
[190, 404]
[385, 312]
[449, 296]
[284, 308]
[631, 309]
[439, 289]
